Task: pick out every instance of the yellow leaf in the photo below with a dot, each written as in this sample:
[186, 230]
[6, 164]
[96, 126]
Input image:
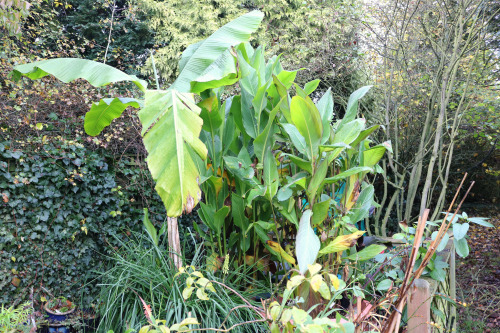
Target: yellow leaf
[277, 248]
[13, 259]
[186, 293]
[316, 281]
[144, 329]
[164, 329]
[201, 294]
[341, 243]
[294, 281]
[190, 321]
[313, 269]
[335, 281]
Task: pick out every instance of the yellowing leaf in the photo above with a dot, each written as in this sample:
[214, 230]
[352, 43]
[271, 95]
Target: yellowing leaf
[341, 243]
[201, 294]
[186, 293]
[316, 282]
[190, 321]
[295, 281]
[335, 281]
[277, 248]
[313, 269]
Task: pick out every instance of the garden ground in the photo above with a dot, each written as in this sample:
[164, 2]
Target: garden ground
[478, 276]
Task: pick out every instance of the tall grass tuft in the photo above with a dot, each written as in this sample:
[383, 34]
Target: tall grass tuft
[139, 266]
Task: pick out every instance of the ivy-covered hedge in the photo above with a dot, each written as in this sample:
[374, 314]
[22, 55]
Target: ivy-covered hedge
[60, 206]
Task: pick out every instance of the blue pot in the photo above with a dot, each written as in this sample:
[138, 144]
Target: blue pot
[56, 318]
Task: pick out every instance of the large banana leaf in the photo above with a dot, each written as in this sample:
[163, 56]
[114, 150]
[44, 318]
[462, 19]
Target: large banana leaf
[197, 58]
[171, 127]
[97, 74]
[103, 113]
[70, 69]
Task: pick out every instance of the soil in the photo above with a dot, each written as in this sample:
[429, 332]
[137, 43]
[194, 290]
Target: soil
[478, 275]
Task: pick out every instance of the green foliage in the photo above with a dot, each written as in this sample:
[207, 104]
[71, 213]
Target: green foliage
[168, 113]
[142, 266]
[56, 216]
[13, 317]
[11, 15]
[173, 35]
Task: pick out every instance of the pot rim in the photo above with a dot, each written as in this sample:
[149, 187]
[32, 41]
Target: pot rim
[58, 314]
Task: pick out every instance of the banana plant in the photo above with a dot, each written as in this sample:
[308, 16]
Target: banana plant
[170, 118]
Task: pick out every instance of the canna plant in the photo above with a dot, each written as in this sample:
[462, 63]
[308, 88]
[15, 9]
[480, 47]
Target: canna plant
[281, 180]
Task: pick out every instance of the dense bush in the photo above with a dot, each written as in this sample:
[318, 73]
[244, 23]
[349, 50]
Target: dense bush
[61, 205]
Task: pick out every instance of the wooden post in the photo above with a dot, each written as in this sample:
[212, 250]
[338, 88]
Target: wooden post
[419, 307]
[174, 242]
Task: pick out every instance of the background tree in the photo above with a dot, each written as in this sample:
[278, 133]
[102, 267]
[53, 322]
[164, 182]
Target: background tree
[425, 61]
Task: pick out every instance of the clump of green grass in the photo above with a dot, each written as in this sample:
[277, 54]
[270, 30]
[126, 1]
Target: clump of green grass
[142, 268]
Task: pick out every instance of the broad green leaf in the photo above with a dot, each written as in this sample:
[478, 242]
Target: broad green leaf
[240, 169]
[349, 132]
[238, 212]
[307, 120]
[320, 212]
[188, 52]
[325, 108]
[210, 49]
[444, 241]
[461, 247]
[352, 105]
[480, 221]
[70, 69]
[222, 72]
[219, 218]
[438, 274]
[373, 155]
[317, 178]
[460, 230]
[271, 175]
[311, 86]
[207, 213]
[384, 284]
[212, 118]
[364, 134]
[286, 192]
[150, 228]
[169, 143]
[297, 139]
[264, 139]
[367, 253]
[362, 206]
[307, 243]
[103, 113]
[301, 163]
[345, 174]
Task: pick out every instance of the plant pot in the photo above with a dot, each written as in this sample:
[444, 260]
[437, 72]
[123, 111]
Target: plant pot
[55, 320]
[90, 320]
